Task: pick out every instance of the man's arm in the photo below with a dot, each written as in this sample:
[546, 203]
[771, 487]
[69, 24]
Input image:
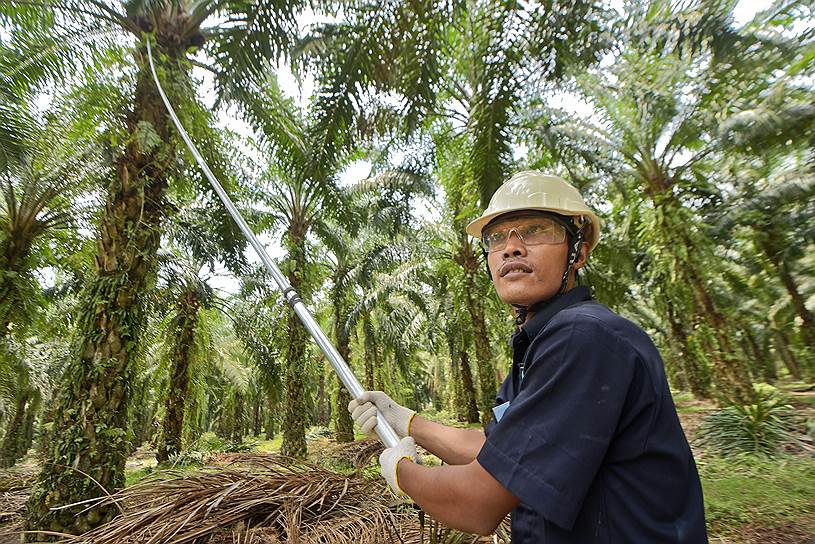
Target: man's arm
[452, 445]
[464, 497]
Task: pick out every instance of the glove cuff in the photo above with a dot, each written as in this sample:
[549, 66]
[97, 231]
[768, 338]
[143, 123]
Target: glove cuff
[396, 473]
[410, 420]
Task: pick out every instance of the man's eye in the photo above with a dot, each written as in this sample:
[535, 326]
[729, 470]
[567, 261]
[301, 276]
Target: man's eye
[536, 229]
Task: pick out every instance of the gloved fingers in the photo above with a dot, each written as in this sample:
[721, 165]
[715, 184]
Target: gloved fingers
[367, 420]
[356, 415]
[374, 396]
[408, 443]
[389, 461]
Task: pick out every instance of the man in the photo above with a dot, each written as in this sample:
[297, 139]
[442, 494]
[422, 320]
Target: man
[586, 446]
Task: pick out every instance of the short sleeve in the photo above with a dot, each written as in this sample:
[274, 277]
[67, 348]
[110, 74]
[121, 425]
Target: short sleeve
[551, 441]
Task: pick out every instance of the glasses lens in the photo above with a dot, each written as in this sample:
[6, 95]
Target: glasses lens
[545, 231]
[532, 232]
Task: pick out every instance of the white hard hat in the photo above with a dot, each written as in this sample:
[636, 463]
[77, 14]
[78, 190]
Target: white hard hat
[534, 190]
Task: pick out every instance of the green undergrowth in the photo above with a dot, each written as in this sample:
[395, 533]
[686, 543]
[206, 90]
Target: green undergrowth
[135, 476]
[447, 418]
[761, 491]
[269, 446]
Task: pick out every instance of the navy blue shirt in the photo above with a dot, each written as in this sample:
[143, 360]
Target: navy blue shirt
[590, 443]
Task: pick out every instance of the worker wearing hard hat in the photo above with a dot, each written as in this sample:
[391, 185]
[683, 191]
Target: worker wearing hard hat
[586, 445]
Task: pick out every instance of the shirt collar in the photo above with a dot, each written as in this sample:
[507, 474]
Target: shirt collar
[535, 325]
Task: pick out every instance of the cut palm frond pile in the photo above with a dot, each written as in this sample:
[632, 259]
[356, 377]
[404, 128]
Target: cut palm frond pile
[304, 502]
[15, 481]
[411, 530]
[15, 487]
[357, 453]
[12, 504]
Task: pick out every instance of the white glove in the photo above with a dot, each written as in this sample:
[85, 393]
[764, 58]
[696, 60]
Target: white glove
[389, 460]
[363, 411]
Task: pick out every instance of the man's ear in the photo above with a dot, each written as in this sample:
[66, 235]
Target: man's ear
[582, 257]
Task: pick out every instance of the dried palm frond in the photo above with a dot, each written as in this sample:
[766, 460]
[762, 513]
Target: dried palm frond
[356, 454]
[292, 503]
[15, 481]
[12, 504]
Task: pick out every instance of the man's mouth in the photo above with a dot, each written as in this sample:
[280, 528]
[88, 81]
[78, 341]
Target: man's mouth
[513, 266]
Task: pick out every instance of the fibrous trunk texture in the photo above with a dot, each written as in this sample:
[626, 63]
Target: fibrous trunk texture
[86, 457]
[467, 259]
[344, 425]
[294, 418]
[187, 308]
[238, 420]
[772, 243]
[693, 368]
[370, 349]
[468, 389]
[708, 334]
[9, 454]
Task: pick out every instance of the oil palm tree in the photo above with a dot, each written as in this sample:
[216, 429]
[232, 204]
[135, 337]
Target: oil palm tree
[298, 192]
[27, 380]
[653, 142]
[95, 38]
[41, 189]
[467, 66]
[776, 211]
[383, 202]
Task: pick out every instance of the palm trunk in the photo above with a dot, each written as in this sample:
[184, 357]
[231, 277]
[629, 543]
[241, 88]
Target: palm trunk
[368, 342]
[27, 436]
[464, 394]
[13, 252]
[483, 352]
[187, 319]
[711, 332]
[294, 419]
[88, 454]
[379, 361]
[323, 403]
[10, 449]
[694, 368]
[761, 353]
[343, 424]
[789, 359]
[238, 419]
[257, 416]
[468, 389]
[270, 422]
[772, 246]
[458, 398]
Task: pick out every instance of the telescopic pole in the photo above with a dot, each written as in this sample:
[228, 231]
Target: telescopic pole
[383, 429]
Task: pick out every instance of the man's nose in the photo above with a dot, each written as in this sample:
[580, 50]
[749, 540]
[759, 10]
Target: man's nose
[515, 246]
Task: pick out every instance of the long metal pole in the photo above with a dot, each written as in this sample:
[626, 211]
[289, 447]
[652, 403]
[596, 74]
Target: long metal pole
[383, 429]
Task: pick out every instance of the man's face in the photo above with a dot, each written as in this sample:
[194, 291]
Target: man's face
[524, 274]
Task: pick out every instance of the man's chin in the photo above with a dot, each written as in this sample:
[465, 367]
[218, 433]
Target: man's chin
[522, 298]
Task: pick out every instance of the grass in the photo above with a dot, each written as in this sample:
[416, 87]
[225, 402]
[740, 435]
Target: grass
[761, 491]
[269, 446]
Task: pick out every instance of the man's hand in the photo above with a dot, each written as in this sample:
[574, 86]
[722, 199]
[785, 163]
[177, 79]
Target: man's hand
[389, 460]
[363, 411]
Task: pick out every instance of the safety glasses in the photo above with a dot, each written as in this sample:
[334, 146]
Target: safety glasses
[532, 231]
